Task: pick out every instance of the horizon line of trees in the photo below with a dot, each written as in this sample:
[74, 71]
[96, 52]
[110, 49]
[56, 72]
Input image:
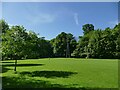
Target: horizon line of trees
[18, 43]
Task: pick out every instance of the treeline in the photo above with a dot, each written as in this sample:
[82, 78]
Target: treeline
[99, 43]
[18, 43]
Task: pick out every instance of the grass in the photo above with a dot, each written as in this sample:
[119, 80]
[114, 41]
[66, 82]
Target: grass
[61, 73]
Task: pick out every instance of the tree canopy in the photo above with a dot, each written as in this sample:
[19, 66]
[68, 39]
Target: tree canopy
[60, 44]
[19, 43]
[99, 43]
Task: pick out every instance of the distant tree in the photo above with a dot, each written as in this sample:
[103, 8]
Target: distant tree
[87, 28]
[82, 49]
[60, 44]
[94, 43]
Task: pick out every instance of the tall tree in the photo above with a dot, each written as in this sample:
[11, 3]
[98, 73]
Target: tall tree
[62, 43]
[87, 28]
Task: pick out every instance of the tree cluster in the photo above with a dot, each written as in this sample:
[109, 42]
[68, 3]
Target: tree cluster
[18, 43]
[99, 43]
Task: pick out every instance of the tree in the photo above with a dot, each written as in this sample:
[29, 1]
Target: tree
[13, 43]
[3, 26]
[87, 28]
[116, 33]
[19, 44]
[62, 43]
[108, 44]
[94, 43]
[83, 48]
[99, 43]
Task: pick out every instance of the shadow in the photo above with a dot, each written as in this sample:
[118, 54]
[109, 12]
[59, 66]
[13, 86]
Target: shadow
[23, 65]
[22, 82]
[48, 74]
[7, 62]
[4, 69]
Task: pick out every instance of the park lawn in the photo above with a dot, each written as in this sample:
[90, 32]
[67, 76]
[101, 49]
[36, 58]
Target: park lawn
[61, 73]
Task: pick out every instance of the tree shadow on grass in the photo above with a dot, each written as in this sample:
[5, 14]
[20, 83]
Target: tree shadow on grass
[48, 74]
[23, 65]
[21, 82]
[4, 69]
[7, 62]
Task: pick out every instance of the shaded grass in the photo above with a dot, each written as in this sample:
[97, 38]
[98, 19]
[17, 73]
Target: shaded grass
[22, 82]
[48, 74]
[25, 65]
[4, 69]
[7, 62]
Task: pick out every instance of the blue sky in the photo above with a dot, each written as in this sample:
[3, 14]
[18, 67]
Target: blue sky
[50, 18]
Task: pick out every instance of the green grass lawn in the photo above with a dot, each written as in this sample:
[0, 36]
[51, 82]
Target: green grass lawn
[61, 72]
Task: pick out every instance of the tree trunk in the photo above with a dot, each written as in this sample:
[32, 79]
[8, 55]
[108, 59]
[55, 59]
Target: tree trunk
[15, 65]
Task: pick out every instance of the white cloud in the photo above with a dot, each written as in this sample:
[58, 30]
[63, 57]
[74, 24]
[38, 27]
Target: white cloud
[41, 18]
[76, 18]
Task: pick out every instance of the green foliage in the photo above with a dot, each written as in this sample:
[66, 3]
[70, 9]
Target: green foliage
[87, 28]
[3, 26]
[17, 43]
[13, 42]
[60, 44]
[99, 43]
